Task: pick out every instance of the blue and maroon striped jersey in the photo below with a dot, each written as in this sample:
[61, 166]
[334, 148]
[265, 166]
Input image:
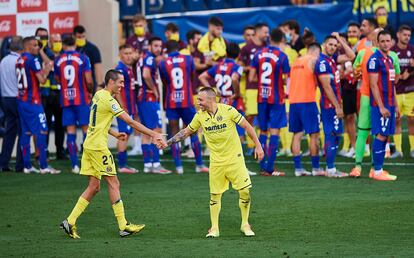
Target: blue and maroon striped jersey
[383, 66]
[128, 91]
[70, 70]
[327, 66]
[271, 64]
[145, 94]
[27, 67]
[175, 72]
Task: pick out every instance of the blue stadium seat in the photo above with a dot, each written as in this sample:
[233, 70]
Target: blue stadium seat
[238, 3]
[194, 5]
[171, 6]
[255, 3]
[216, 4]
[279, 2]
[129, 8]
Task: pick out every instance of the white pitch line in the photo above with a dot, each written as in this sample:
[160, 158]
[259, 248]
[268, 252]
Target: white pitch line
[186, 160]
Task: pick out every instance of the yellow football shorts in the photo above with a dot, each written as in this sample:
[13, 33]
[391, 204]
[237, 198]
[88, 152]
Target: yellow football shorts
[406, 103]
[221, 176]
[251, 102]
[97, 163]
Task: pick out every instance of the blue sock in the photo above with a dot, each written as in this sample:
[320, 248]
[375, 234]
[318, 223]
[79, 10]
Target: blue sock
[25, 147]
[297, 161]
[146, 153]
[122, 159]
[378, 153]
[315, 161]
[176, 153]
[272, 152]
[196, 146]
[330, 148]
[72, 148]
[263, 141]
[155, 154]
[41, 146]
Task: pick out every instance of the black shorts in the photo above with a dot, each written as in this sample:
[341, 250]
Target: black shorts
[349, 101]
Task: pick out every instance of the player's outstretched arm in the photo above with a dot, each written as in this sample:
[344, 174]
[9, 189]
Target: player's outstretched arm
[204, 79]
[181, 135]
[258, 150]
[157, 138]
[118, 135]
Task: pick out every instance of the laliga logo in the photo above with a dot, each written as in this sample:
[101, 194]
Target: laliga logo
[66, 23]
[5, 26]
[31, 3]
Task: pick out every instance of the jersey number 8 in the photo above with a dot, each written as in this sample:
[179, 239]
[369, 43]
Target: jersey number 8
[177, 78]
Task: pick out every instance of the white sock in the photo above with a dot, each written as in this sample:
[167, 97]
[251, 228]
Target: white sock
[378, 172]
[137, 139]
[147, 165]
[331, 170]
[156, 164]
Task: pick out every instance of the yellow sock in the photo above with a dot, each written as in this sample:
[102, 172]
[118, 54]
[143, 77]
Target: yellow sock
[289, 137]
[345, 146]
[119, 212]
[77, 210]
[398, 142]
[411, 140]
[215, 207]
[282, 137]
[244, 204]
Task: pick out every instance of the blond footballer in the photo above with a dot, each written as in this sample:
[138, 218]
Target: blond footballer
[218, 122]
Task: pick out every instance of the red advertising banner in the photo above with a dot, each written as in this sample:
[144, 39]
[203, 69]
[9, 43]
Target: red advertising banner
[63, 22]
[7, 25]
[24, 6]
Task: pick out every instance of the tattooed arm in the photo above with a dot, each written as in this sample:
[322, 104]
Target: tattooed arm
[181, 135]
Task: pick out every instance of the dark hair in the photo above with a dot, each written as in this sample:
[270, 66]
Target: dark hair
[216, 21]
[172, 46]
[329, 37]
[260, 25]
[40, 29]
[343, 35]
[276, 35]
[380, 7]
[171, 27]
[124, 46]
[354, 24]
[79, 29]
[248, 27]
[16, 43]
[293, 25]
[191, 34]
[152, 39]
[28, 39]
[233, 50]
[405, 27]
[383, 32]
[372, 22]
[112, 75]
[313, 46]
[69, 41]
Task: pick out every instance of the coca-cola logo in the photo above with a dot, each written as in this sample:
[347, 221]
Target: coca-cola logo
[31, 3]
[65, 23]
[5, 26]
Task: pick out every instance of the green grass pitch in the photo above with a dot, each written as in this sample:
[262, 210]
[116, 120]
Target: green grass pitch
[292, 217]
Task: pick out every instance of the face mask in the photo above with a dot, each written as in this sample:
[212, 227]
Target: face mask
[80, 42]
[44, 42]
[175, 37]
[382, 20]
[288, 37]
[57, 47]
[352, 40]
[139, 31]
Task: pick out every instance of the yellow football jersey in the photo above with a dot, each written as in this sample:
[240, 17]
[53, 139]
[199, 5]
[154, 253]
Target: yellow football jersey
[220, 133]
[103, 109]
